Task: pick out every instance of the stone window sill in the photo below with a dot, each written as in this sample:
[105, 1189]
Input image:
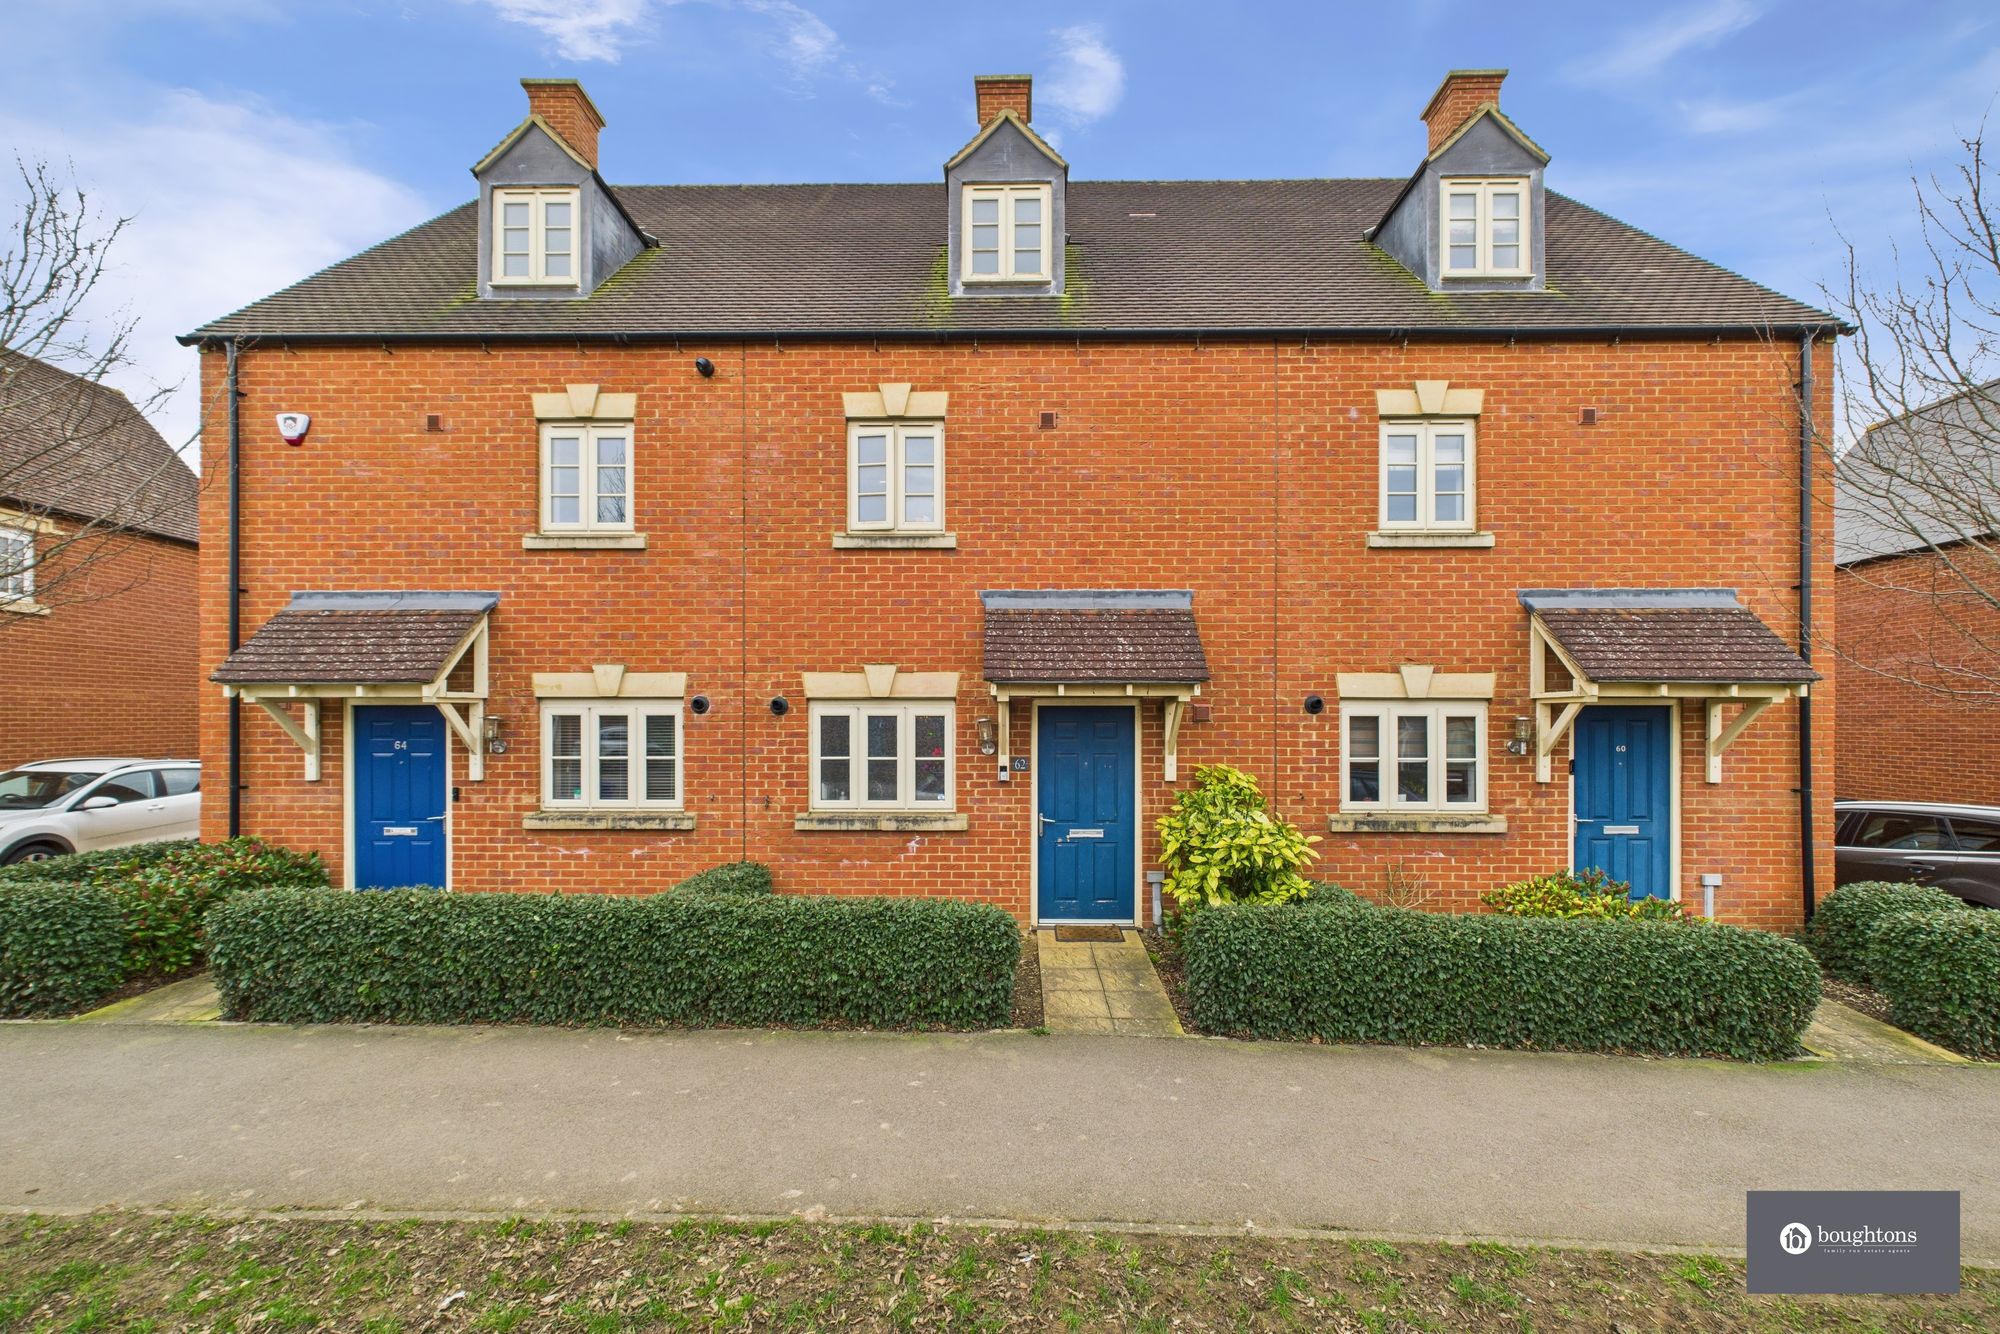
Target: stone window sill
[1402, 539]
[896, 822]
[583, 542]
[669, 821]
[895, 541]
[23, 607]
[1414, 822]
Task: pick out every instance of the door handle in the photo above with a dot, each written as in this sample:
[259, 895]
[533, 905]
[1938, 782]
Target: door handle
[1043, 827]
[1925, 867]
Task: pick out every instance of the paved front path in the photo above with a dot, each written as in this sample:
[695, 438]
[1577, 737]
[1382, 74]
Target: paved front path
[1842, 1033]
[1133, 1130]
[1098, 987]
[192, 1000]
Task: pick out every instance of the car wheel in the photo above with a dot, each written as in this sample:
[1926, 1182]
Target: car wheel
[32, 852]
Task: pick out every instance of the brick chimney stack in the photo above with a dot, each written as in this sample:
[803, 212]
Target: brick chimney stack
[995, 93]
[569, 112]
[1463, 92]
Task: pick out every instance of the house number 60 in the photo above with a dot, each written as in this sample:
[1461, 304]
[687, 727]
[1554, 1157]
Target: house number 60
[1619, 749]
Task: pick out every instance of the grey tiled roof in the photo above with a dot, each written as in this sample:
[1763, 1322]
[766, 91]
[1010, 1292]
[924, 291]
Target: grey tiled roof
[1711, 644]
[79, 448]
[1170, 256]
[1119, 637]
[356, 639]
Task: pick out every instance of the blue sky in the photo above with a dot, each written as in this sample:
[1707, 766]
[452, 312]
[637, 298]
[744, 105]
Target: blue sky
[255, 141]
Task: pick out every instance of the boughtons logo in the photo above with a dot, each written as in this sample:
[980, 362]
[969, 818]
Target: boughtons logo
[1796, 1238]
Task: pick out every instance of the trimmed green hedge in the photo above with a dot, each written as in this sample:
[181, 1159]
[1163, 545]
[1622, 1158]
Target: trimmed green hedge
[1342, 974]
[728, 878]
[1838, 932]
[1325, 892]
[81, 866]
[292, 956]
[61, 947]
[164, 897]
[1941, 973]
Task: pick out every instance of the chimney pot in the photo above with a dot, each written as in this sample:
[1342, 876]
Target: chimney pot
[568, 111]
[995, 93]
[1463, 92]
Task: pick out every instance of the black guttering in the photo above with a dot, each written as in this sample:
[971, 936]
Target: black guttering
[235, 585]
[1808, 869]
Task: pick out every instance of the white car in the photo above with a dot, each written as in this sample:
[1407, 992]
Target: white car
[54, 807]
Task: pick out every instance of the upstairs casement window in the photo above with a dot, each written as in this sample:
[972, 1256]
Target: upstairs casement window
[1413, 757]
[1007, 233]
[883, 757]
[1427, 476]
[587, 478]
[17, 565]
[1485, 228]
[895, 477]
[535, 237]
[617, 755]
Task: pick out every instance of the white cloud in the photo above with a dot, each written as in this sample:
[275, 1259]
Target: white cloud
[1642, 52]
[803, 40]
[1089, 78]
[1717, 115]
[229, 201]
[579, 29]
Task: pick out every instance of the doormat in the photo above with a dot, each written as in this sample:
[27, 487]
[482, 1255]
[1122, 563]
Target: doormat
[1089, 935]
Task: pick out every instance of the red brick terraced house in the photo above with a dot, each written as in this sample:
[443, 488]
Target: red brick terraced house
[925, 539]
[98, 635]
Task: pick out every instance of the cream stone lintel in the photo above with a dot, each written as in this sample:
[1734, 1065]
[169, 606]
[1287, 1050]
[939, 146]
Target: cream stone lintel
[26, 521]
[1429, 398]
[582, 402]
[892, 401]
[1415, 681]
[610, 681]
[880, 680]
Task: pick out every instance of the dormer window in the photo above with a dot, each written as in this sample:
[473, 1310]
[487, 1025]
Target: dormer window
[1485, 228]
[1006, 233]
[535, 237]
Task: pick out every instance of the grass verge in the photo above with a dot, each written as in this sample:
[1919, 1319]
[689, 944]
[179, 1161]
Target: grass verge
[146, 1272]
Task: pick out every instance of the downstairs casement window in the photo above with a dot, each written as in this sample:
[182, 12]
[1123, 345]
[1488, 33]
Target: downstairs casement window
[1413, 757]
[587, 478]
[623, 755]
[883, 757]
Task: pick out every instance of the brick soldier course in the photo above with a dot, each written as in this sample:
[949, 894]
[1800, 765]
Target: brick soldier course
[1198, 409]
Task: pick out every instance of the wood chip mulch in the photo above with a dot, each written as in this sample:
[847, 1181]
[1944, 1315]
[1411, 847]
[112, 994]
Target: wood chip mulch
[1856, 997]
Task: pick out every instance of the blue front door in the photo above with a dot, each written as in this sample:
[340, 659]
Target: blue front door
[1624, 796]
[399, 795]
[1088, 816]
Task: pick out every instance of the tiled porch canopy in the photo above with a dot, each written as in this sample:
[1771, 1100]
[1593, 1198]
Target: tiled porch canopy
[1633, 644]
[1094, 644]
[374, 647]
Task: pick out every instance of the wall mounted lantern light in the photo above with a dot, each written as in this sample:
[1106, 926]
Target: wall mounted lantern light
[1521, 742]
[989, 736]
[496, 734]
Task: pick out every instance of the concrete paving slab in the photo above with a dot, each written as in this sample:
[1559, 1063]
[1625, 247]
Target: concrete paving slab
[192, 1000]
[1120, 970]
[1842, 1033]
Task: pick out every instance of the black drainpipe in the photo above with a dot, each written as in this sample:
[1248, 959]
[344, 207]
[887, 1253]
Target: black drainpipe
[235, 589]
[1807, 860]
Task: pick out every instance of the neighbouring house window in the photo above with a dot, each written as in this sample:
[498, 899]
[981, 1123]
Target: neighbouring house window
[1413, 757]
[1427, 475]
[615, 756]
[587, 478]
[1485, 228]
[17, 565]
[1006, 233]
[535, 236]
[895, 477]
[882, 757]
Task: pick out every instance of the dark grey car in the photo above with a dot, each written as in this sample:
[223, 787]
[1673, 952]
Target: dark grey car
[1956, 848]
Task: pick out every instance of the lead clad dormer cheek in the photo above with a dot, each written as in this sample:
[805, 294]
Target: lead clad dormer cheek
[1006, 200]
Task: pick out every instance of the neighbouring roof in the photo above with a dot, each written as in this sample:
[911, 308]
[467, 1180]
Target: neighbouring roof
[1926, 479]
[1080, 636]
[79, 448]
[389, 638]
[1666, 635]
[1143, 256]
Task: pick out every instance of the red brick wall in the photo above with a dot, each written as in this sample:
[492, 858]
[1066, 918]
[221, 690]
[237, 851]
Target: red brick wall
[993, 95]
[1917, 645]
[113, 668]
[1245, 471]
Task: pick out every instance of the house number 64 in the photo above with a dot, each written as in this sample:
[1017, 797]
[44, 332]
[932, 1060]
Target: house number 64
[404, 745]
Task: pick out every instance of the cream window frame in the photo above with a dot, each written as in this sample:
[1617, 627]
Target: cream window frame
[1386, 713]
[905, 802]
[636, 712]
[895, 518]
[1426, 431]
[537, 198]
[590, 436]
[1006, 195]
[1484, 189]
[17, 584]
